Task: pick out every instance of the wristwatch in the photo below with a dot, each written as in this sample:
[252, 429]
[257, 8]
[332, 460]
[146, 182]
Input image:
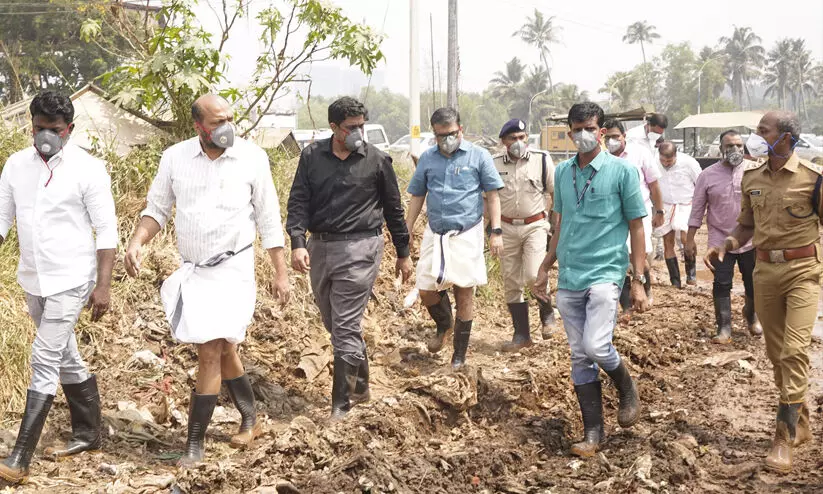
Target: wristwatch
[496, 231]
[659, 211]
[639, 277]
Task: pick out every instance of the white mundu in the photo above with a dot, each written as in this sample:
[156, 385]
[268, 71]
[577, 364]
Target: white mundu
[218, 205]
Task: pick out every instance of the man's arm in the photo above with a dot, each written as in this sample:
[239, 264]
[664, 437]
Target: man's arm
[656, 195]
[158, 209]
[638, 242]
[393, 207]
[415, 206]
[551, 255]
[297, 221]
[493, 199]
[7, 206]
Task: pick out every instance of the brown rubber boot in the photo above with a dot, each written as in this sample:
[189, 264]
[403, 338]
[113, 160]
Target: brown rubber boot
[441, 314]
[752, 321]
[804, 430]
[780, 457]
[590, 398]
[242, 395]
[522, 334]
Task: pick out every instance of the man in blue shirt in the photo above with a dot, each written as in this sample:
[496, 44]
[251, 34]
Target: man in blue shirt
[598, 202]
[451, 178]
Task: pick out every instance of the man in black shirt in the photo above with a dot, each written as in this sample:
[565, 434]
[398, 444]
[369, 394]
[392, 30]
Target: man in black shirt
[342, 191]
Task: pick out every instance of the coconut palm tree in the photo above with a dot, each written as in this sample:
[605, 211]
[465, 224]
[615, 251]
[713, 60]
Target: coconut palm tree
[622, 90]
[800, 65]
[776, 75]
[568, 95]
[505, 83]
[541, 33]
[744, 59]
[642, 32]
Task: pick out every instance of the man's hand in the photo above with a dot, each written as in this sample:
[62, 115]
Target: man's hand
[403, 267]
[134, 256]
[496, 244]
[541, 284]
[280, 288]
[639, 301]
[657, 220]
[300, 260]
[99, 302]
[691, 248]
[715, 254]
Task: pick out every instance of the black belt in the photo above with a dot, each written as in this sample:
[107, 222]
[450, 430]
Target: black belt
[334, 237]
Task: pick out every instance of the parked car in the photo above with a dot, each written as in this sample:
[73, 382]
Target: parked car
[809, 146]
[404, 143]
[305, 137]
[376, 136]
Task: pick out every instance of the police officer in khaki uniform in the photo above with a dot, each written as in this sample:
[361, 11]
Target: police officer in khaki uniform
[524, 201]
[780, 212]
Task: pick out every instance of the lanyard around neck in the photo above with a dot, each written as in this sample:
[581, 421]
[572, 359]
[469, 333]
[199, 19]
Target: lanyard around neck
[582, 194]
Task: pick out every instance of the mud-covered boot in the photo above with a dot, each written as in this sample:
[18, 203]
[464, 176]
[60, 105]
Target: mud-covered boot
[343, 384]
[723, 318]
[84, 409]
[15, 468]
[548, 324]
[520, 320]
[590, 398]
[242, 395]
[441, 314]
[803, 432]
[201, 409]
[626, 295]
[647, 286]
[691, 269]
[780, 457]
[752, 322]
[674, 271]
[361, 393]
[628, 412]
[462, 333]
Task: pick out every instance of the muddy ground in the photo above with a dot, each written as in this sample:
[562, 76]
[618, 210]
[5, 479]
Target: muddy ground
[504, 424]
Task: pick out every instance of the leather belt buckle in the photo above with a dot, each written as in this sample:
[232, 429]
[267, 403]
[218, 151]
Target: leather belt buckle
[777, 256]
[518, 221]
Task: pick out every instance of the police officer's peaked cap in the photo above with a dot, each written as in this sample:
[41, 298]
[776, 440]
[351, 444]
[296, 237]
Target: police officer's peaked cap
[513, 125]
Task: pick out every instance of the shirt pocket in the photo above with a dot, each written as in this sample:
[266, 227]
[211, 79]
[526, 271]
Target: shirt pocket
[759, 209]
[599, 206]
[463, 177]
[235, 192]
[798, 209]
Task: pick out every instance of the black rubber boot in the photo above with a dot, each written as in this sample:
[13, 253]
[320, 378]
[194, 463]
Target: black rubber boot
[201, 409]
[462, 333]
[84, 408]
[361, 393]
[626, 295]
[723, 317]
[242, 395]
[15, 468]
[752, 322]
[547, 321]
[441, 314]
[674, 271]
[522, 334]
[590, 398]
[628, 412]
[691, 270]
[780, 457]
[343, 384]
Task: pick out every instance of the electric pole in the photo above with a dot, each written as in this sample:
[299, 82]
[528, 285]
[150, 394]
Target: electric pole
[453, 60]
[414, 80]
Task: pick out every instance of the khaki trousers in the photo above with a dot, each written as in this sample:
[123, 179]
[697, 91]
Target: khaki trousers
[785, 299]
[524, 248]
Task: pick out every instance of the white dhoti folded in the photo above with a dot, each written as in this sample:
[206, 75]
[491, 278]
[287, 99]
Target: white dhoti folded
[675, 217]
[211, 300]
[452, 259]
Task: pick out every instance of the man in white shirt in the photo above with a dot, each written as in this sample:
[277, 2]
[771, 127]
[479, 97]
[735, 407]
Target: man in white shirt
[222, 187]
[648, 134]
[680, 172]
[61, 198]
[649, 173]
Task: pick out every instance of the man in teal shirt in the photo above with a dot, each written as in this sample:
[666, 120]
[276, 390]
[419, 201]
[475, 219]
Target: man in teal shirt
[598, 202]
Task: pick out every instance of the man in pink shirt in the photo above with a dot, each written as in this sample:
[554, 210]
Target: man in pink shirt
[649, 173]
[718, 189]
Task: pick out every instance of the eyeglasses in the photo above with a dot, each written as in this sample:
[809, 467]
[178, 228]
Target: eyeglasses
[352, 128]
[443, 136]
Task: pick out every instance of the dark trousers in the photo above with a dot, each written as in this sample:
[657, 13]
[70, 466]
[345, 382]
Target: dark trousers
[724, 273]
[342, 276]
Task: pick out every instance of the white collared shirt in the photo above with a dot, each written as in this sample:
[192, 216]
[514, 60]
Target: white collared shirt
[677, 182]
[218, 202]
[57, 223]
[637, 135]
[649, 171]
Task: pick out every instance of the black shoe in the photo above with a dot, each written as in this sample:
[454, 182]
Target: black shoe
[522, 334]
[674, 271]
[547, 321]
[691, 270]
[752, 322]
[361, 393]
[343, 385]
[462, 333]
[242, 395]
[628, 412]
[84, 408]
[590, 398]
[441, 314]
[15, 468]
[723, 318]
[626, 295]
[201, 409]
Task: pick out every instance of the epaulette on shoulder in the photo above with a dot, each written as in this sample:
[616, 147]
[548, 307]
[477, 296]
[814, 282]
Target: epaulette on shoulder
[753, 165]
[498, 155]
[812, 166]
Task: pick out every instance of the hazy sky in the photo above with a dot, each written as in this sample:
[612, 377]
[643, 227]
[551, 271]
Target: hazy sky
[590, 48]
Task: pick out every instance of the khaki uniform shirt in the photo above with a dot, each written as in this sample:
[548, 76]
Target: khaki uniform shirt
[778, 204]
[524, 194]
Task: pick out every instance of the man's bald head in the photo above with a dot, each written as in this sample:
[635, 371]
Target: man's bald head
[783, 121]
[667, 149]
[208, 106]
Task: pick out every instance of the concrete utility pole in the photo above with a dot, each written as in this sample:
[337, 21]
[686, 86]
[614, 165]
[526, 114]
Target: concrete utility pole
[453, 61]
[414, 80]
